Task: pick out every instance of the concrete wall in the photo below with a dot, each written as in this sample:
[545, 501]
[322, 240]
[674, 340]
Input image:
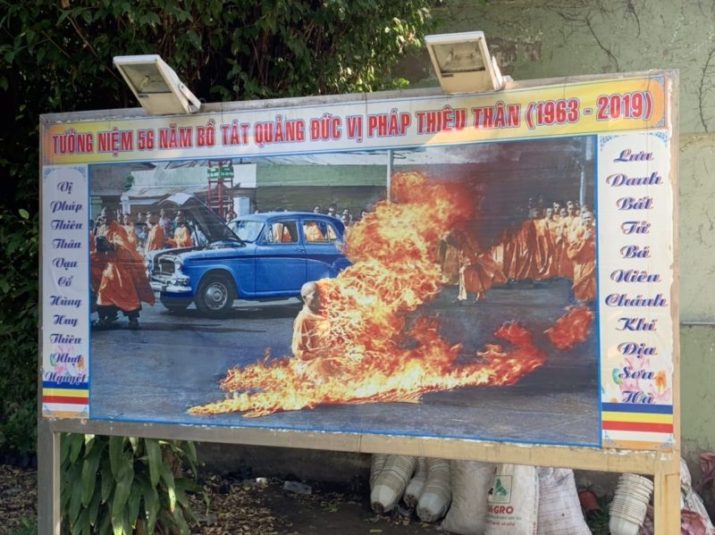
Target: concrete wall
[547, 38]
[553, 38]
[543, 39]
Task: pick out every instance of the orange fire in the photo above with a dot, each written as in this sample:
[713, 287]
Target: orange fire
[374, 351]
[572, 328]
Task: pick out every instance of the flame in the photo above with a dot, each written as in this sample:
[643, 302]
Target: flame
[572, 328]
[374, 351]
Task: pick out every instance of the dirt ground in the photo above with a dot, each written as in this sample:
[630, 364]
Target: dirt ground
[264, 507]
[238, 506]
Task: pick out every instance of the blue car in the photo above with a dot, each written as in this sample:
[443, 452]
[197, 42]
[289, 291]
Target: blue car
[262, 257]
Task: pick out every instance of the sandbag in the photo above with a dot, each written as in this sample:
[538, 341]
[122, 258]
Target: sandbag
[513, 501]
[417, 484]
[390, 483]
[559, 506]
[437, 494]
[470, 482]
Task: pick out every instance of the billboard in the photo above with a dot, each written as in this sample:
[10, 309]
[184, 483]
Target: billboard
[496, 267]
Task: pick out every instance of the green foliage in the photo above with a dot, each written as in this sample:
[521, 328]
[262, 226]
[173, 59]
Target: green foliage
[126, 485]
[18, 332]
[28, 526]
[56, 56]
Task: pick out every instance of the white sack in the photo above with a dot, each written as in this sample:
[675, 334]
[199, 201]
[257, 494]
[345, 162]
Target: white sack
[390, 483]
[437, 494]
[377, 463]
[417, 484]
[513, 502]
[559, 506]
[471, 481]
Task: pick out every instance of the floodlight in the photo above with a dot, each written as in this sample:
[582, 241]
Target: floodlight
[463, 64]
[156, 85]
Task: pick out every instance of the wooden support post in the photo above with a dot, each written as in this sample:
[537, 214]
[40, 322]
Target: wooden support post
[48, 479]
[667, 503]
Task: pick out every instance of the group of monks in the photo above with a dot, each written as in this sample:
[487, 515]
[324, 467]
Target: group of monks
[555, 242]
[117, 248]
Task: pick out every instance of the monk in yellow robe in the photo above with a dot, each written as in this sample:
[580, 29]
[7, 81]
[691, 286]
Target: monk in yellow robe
[310, 338]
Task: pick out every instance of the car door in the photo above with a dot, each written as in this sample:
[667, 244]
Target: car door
[322, 241]
[280, 258]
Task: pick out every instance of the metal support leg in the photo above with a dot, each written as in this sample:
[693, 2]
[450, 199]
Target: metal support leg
[48, 479]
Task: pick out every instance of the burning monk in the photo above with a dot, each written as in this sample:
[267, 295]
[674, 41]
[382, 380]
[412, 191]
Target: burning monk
[310, 336]
[123, 284]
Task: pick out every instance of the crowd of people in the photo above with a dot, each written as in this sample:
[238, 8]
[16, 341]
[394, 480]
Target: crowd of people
[118, 245]
[346, 216]
[556, 241]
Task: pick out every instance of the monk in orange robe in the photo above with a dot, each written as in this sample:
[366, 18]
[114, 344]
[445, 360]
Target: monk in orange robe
[124, 284]
[312, 232]
[128, 225]
[546, 248]
[449, 256]
[156, 238]
[182, 236]
[96, 268]
[524, 255]
[563, 231]
[478, 271]
[582, 251]
[572, 220]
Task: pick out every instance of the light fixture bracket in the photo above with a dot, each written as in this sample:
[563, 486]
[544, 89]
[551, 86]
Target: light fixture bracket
[463, 64]
[156, 86]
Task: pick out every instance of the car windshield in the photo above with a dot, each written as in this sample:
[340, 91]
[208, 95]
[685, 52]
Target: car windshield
[246, 230]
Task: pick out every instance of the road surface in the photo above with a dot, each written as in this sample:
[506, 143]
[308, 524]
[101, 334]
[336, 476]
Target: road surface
[176, 360]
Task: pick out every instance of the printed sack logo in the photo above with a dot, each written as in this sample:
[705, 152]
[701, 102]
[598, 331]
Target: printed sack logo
[501, 490]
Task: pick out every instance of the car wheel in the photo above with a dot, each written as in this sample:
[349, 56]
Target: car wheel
[215, 296]
[175, 305]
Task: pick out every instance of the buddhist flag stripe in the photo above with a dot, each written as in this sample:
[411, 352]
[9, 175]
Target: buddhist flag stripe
[65, 399]
[66, 393]
[637, 408]
[637, 417]
[638, 426]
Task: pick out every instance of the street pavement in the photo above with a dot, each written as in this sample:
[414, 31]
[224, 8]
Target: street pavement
[174, 361]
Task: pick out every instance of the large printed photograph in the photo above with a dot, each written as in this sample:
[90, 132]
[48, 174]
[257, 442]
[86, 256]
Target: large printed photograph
[443, 291]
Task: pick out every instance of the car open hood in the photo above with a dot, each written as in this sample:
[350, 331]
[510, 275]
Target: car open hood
[212, 226]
